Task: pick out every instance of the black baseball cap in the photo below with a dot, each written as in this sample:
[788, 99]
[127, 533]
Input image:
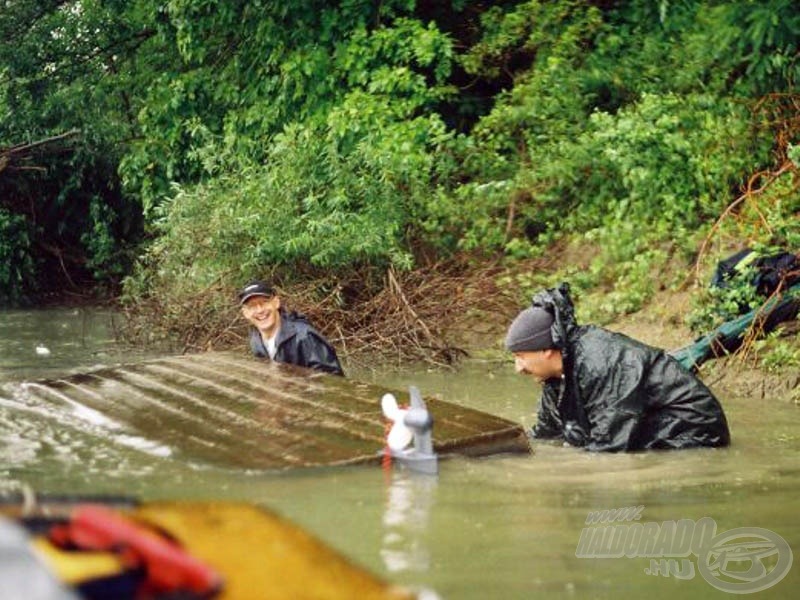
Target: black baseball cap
[255, 288]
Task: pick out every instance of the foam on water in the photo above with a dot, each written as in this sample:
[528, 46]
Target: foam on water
[63, 427]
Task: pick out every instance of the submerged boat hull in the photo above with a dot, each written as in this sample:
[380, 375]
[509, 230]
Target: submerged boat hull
[235, 411]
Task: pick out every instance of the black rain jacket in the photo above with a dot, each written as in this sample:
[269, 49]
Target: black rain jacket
[620, 394]
[298, 343]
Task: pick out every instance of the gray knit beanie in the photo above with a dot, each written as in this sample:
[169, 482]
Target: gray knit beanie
[530, 331]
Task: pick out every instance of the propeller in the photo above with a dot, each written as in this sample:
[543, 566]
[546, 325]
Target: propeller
[400, 436]
[412, 424]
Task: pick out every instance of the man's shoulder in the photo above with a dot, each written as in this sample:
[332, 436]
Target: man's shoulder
[590, 338]
[296, 319]
[300, 326]
[601, 346]
[594, 334]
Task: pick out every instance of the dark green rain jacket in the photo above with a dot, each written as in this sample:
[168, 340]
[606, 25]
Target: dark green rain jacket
[619, 394]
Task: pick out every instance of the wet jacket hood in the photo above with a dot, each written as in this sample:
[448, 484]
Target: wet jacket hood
[558, 302]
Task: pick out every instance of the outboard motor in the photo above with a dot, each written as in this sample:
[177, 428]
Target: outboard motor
[413, 424]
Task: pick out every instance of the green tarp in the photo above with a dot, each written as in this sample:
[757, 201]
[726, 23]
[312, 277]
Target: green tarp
[728, 337]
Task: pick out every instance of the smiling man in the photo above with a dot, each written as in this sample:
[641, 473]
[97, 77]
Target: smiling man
[281, 336]
[605, 391]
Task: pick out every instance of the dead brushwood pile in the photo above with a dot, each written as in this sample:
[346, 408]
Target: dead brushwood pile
[410, 317]
[369, 317]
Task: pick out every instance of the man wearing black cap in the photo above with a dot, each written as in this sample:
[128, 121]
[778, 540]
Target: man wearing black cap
[281, 336]
[605, 391]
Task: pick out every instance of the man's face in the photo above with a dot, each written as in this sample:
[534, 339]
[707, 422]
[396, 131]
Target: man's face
[541, 364]
[262, 313]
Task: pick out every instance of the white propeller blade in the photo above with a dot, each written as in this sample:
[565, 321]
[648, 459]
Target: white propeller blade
[399, 436]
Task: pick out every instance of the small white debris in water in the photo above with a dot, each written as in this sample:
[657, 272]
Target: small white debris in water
[42, 350]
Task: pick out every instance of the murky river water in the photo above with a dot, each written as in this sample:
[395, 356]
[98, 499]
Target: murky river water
[502, 527]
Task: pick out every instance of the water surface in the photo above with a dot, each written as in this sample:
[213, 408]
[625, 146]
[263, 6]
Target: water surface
[501, 527]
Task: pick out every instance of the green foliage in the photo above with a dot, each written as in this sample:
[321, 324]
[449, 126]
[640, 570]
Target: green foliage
[349, 162]
[655, 171]
[251, 71]
[663, 159]
[632, 144]
[717, 305]
[525, 283]
[68, 65]
[757, 43]
[768, 219]
[629, 284]
[793, 152]
[325, 199]
[501, 175]
[16, 265]
[776, 354]
[106, 260]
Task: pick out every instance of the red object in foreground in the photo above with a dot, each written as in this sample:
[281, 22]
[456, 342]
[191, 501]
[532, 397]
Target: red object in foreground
[168, 568]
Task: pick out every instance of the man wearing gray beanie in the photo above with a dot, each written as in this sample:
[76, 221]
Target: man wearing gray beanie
[530, 339]
[605, 391]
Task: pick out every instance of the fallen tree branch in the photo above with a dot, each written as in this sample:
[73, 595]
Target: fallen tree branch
[25, 147]
[14, 153]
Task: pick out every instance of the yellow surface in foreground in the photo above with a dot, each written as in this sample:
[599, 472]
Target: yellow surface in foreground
[73, 568]
[261, 555]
